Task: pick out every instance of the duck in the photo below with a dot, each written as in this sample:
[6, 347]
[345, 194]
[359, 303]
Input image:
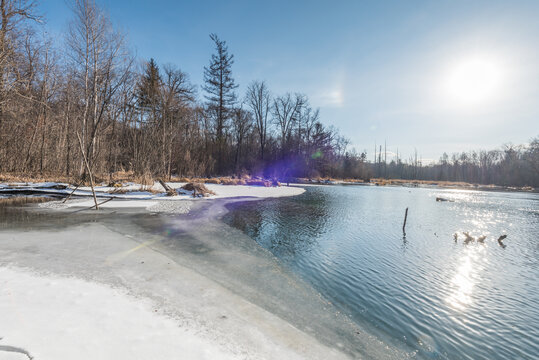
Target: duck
[455, 236]
[468, 237]
[481, 239]
[500, 241]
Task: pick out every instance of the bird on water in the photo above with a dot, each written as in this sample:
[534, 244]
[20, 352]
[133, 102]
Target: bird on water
[500, 241]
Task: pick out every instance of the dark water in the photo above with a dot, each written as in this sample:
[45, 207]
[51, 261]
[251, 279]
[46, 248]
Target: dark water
[445, 299]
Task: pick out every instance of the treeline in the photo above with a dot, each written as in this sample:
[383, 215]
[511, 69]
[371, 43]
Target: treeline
[92, 99]
[509, 166]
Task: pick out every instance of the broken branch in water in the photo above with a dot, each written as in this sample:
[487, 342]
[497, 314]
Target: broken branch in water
[69, 196]
[94, 206]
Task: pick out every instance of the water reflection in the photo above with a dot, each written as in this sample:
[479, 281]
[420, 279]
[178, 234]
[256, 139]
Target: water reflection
[445, 296]
[467, 275]
[271, 220]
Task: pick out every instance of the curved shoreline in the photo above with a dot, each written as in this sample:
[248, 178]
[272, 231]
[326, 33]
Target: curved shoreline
[177, 281]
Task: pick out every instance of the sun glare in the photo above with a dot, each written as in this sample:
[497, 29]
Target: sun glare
[473, 81]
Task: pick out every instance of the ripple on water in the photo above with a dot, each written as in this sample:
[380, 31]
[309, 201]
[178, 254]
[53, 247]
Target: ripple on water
[445, 299]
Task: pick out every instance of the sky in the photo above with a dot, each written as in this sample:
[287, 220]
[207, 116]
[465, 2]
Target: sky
[432, 76]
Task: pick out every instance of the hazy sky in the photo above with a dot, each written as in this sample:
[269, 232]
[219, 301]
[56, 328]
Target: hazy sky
[433, 75]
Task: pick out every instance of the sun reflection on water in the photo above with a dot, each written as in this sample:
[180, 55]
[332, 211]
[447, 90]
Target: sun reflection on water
[467, 275]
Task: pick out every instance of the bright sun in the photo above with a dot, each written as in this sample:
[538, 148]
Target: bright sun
[473, 81]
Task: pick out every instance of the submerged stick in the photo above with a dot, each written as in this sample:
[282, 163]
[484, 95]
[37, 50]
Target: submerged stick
[404, 225]
[93, 206]
[69, 196]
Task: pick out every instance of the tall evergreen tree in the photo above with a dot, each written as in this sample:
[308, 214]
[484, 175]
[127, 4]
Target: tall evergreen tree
[148, 90]
[220, 86]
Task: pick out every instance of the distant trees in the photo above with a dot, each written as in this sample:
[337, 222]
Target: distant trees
[510, 166]
[150, 120]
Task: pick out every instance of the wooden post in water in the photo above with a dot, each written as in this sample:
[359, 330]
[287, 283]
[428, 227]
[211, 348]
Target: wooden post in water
[404, 225]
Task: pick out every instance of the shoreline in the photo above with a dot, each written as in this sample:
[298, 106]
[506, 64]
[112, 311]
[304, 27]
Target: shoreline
[152, 198]
[110, 282]
[188, 273]
[155, 302]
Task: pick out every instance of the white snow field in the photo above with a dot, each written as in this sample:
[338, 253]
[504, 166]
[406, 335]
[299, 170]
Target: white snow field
[87, 292]
[53, 317]
[137, 198]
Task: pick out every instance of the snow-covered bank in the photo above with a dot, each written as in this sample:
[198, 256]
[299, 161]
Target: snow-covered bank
[51, 317]
[150, 197]
[87, 292]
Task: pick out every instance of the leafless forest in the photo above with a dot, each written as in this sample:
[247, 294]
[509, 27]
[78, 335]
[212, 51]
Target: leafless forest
[92, 99]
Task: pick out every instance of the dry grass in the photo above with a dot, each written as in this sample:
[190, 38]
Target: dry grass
[150, 189]
[459, 184]
[259, 182]
[198, 189]
[229, 181]
[144, 179]
[359, 181]
[23, 200]
[25, 178]
[213, 181]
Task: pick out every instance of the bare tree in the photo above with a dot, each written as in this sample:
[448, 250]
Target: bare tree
[258, 98]
[242, 123]
[177, 95]
[12, 13]
[101, 63]
[286, 110]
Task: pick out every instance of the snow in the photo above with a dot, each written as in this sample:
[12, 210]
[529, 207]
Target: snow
[67, 318]
[229, 191]
[88, 292]
[156, 202]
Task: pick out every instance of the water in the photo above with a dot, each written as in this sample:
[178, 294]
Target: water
[443, 298]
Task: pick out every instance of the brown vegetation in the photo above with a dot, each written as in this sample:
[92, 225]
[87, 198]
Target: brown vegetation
[198, 189]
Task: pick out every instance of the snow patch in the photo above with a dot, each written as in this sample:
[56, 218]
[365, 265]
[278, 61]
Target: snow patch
[85, 320]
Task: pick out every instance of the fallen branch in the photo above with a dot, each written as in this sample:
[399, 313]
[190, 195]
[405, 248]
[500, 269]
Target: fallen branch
[170, 191]
[91, 207]
[75, 189]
